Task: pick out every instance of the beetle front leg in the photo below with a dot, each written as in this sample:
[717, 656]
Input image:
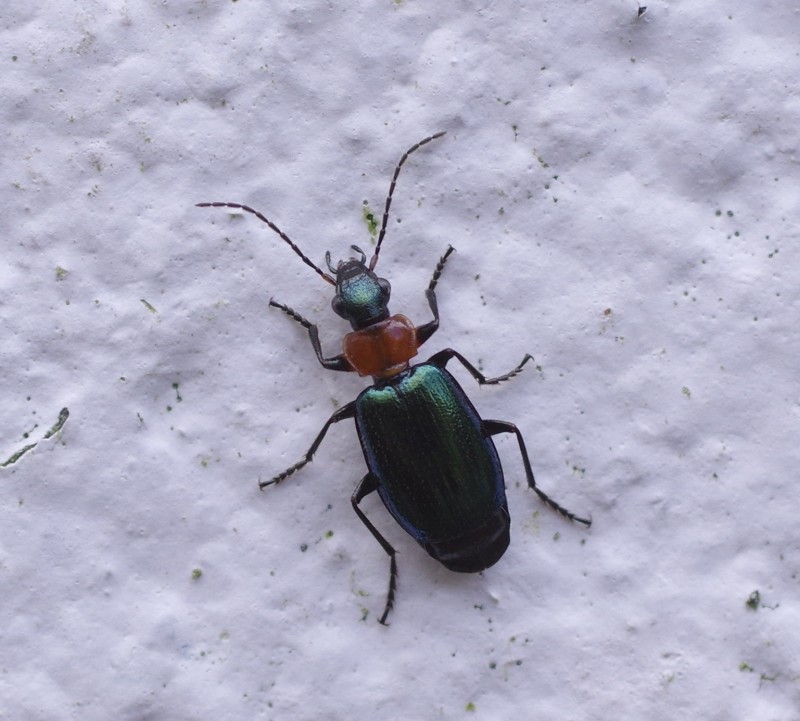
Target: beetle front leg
[336, 363]
[367, 485]
[441, 359]
[492, 428]
[426, 331]
[344, 412]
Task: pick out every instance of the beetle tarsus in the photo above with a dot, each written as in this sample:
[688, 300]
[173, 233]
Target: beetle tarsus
[282, 476]
[440, 267]
[569, 515]
[390, 595]
[293, 314]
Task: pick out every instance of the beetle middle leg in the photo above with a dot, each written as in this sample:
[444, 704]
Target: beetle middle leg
[343, 413]
[367, 485]
[492, 428]
[441, 359]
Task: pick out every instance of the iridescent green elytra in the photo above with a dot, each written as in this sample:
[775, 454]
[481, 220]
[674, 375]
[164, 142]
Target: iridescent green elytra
[439, 475]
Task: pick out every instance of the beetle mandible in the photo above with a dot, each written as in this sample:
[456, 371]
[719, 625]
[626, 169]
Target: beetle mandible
[429, 455]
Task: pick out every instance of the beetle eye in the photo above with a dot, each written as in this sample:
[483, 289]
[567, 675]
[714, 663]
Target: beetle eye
[386, 288]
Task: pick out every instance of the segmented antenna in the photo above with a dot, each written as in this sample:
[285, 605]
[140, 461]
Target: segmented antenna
[274, 227]
[374, 261]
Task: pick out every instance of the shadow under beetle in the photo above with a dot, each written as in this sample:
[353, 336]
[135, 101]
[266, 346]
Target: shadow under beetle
[430, 455]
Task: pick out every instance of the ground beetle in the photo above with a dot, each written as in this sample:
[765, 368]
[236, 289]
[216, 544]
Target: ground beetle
[430, 455]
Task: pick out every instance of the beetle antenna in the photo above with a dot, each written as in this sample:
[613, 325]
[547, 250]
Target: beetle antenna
[274, 227]
[408, 152]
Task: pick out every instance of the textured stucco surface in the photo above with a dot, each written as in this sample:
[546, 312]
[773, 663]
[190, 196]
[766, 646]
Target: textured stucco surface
[622, 194]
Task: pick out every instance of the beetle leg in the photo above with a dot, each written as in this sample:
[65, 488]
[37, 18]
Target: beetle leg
[426, 331]
[492, 428]
[336, 363]
[441, 358]
[367, 485]
[344, 412]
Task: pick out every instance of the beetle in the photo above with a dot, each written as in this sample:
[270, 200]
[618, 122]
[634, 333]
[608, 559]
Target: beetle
[429, 454]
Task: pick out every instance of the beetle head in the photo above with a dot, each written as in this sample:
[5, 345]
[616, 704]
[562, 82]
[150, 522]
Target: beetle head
[361, 296]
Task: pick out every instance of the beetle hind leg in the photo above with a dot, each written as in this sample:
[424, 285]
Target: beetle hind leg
[367, 485]
[492, 428]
